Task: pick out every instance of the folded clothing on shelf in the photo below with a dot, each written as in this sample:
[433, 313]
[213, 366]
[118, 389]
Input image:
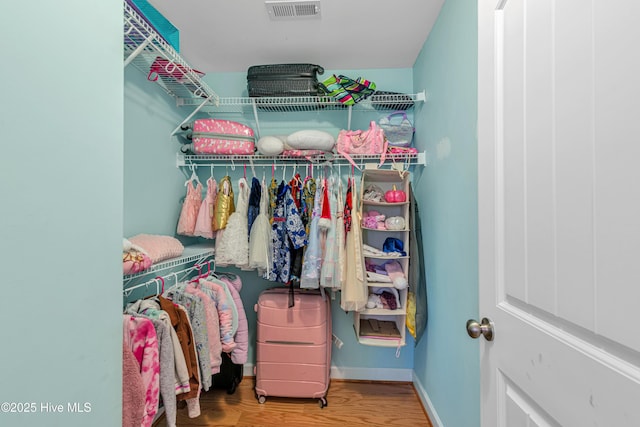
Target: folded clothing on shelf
[158, 247]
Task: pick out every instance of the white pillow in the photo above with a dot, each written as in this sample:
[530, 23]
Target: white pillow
[270, 145]
[311, 140]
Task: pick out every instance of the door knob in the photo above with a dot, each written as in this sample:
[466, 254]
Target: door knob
[485, 328]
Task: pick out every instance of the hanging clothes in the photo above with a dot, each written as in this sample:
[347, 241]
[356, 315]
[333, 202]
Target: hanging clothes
[347, 218]
[310, 276]
[151, 308]
[287, 233]
[224, 206]
[330, 272]
[233, 247]
[240, 352]
[254, 202]
[340, 239]
[260, 249]
[213, 326]
[273, 198]
[354, 291]
[182, 327]
[196, 314]
[190, 207]
[225, 306]
[140, 337]
[307, 199]
[133, 392]
[295, 186]
[204, 222]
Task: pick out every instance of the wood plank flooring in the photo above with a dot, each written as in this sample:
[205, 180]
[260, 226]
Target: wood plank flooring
[350, 403]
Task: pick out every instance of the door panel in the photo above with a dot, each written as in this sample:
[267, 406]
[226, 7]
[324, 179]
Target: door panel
[559, 211]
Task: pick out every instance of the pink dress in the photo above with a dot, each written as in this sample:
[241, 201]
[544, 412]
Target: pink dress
[204, 222]
[190, 207]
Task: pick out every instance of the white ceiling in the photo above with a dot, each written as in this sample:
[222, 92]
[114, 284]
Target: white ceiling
[231, 35]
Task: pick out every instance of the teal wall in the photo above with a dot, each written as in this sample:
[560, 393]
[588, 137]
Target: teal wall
[71, 188]
[446, 360]
[61, 121]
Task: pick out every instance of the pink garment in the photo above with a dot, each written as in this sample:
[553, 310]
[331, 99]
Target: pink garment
[239, 354]
[204, 222]
[190, 207]
[133, 392]
[213, 326]
[140, 334]
[225, 313]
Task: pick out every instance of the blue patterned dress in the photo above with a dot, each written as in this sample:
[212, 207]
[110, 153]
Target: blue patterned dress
[287, 233]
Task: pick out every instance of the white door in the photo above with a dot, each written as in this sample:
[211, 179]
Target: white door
[559, 212]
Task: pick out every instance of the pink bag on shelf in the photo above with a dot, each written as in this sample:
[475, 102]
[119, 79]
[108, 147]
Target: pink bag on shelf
[216, 136]
[370, 141]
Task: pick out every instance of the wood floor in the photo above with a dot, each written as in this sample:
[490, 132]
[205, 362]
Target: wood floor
[350, 403]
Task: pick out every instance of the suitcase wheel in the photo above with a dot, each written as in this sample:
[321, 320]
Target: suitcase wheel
[322, 402]
[262, 399]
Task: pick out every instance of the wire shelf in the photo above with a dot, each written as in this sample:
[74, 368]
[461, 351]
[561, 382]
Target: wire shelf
[329, 158]
[308, 103]
[191, 254]
[142, 45]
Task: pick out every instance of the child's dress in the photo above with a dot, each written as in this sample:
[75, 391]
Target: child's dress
[260, 249]
[204, 222]
[190, 207]
[224, 206]
[287, 233]
[233, 249]
[330, 272]
[310, 277]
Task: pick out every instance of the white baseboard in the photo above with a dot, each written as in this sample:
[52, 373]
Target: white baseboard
[366, 374]
[371, 374]
[426, 402]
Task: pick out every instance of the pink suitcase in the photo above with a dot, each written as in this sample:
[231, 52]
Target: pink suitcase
[216, 136]
[293, 352]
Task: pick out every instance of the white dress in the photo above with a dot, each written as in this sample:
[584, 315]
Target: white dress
[233, 247]
[354, 289]
[260, 249]
[330, 272]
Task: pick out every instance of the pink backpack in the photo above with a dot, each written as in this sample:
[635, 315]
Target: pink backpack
[371, 141]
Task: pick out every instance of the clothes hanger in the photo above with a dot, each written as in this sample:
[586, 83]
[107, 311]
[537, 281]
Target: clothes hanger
[194, 176]
[212, 273]
[198, 276]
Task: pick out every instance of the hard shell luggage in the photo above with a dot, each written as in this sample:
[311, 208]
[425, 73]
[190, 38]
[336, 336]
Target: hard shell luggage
[277, 80]
[293, 352]
[217, 136]
[230, 375]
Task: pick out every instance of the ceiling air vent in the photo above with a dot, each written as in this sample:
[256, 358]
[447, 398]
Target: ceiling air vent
[279, 10]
